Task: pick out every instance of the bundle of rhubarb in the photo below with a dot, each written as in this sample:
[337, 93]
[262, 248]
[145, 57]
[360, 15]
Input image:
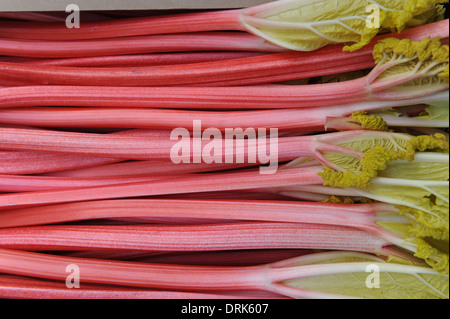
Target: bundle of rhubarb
[297, 149]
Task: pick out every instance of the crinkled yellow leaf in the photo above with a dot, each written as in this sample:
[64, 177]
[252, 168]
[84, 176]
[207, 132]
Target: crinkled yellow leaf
[429, 253]
[379, 150]
[428, 56]
[420, 190]
[306, 25]
[422, 143]
[370, 122]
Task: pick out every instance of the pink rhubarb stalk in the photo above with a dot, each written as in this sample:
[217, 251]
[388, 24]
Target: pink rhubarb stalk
[138, 59]
[304, 146]
[35, 162]
[302, 119]
[143, 147]
[365, 89]
[15, 183]
[184, 185]
[190, 238]
[132, 168]
[224, 41]
[251, 70]
[195, 22]
[218, 20]
[18, 287]
[23, 162]
[268, 277]
[361, 216]
[355, 215]
[252, 97]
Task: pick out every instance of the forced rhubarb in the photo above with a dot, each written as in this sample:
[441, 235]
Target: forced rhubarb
[204, 237]
[367, 217]
[283, 277]
[259, 69]
[405, 70]
[136, 45]
[23, 162]
[141, 59]
[301, 120]
[18, 287]
[187, 155]
[353, 158]
[297, 25]
[356, 215]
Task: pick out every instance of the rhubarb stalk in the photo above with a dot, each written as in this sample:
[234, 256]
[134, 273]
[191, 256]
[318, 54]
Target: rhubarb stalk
[297, 25]
[279, 277]
[302, 119]
[402, 67]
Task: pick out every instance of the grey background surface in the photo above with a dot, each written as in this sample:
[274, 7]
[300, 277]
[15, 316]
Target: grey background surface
[60, 5]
